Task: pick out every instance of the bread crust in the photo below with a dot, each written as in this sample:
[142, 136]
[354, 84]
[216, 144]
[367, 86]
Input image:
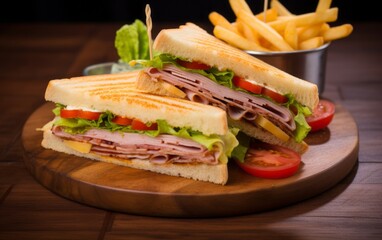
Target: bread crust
[217, 174]
[193, 43]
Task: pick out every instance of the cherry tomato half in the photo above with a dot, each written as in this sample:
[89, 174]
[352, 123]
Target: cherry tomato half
[322, 115]
[124, 121]
[138, 125]
[270, 161]
[77, 113]
[193, 65]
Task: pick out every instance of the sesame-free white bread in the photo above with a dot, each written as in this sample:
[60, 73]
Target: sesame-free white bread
[117, 93]
[217, 174]
[193, 43]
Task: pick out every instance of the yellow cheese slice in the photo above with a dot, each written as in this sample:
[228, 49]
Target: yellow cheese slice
[78, 146]
[270, 127]
[173, 90]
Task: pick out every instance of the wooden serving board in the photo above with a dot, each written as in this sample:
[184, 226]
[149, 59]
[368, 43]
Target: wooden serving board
[331, 156]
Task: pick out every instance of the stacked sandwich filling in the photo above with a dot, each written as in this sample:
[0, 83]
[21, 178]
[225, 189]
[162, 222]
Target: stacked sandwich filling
[239, 105]
[166, 144]
[162, 149]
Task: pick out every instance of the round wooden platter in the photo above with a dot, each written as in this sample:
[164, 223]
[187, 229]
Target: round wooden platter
[331, 156]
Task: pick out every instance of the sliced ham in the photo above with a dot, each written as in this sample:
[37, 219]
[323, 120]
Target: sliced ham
[239, 105]
[164, 148]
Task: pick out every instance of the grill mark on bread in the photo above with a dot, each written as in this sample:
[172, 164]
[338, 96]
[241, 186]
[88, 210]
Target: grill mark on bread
[149, 101]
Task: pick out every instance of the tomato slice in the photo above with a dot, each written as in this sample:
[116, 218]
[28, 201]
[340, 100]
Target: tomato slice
[274, 95]
[242, 83]
[246, 85]
[89, 115]
[65, 113]
[193, 65]
[270, 161]
[138, 125]
[77, 113]
[124, 121]
[322, 115]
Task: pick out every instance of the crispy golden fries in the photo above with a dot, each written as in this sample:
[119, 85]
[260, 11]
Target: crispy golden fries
[265, 31]
[290, 35]
[338, 32]
[236, 40]
[218, 19]
[278, 29]
[306, 19]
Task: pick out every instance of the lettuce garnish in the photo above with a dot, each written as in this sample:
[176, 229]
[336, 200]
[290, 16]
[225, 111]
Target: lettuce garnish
[131, 42]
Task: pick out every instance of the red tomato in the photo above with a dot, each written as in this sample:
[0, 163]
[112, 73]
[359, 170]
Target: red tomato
[193, 65]
[77, 113]
[65, 113]
[242, 83]
[122, 120]
[270, 161]
[321, 116]
[274, 95]
[138, 125]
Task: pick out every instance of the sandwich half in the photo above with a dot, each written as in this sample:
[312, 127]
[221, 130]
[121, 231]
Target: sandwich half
[105, 118]
[262, 101]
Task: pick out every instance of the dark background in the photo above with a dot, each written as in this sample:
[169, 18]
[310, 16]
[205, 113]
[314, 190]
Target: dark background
[164, 10]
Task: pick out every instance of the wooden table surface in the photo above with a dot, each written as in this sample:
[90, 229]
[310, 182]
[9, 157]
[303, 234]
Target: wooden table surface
[33, 54]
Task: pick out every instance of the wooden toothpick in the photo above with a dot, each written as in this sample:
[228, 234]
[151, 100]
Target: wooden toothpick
[149, 27]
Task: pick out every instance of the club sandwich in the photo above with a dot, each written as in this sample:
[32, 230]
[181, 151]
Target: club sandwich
[264, 102]
[105, 118]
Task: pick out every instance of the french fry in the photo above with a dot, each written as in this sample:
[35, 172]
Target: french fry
[265, 43]
[247, 32]
[323, 5]
[265, 31]
[238, 5]
[311, 43]
[306, 19]
[280, 9]
[290, 35]
[236, 40]
[324, 27]
[310, 32]
[217, 19]
[270, 15]
[338, 32]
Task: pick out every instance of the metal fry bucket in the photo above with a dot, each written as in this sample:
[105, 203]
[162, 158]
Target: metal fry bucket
[309, 65]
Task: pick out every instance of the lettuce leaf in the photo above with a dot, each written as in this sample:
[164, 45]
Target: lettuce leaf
[241, 150]
[302, 127]
[221, 77]
[131, 42]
